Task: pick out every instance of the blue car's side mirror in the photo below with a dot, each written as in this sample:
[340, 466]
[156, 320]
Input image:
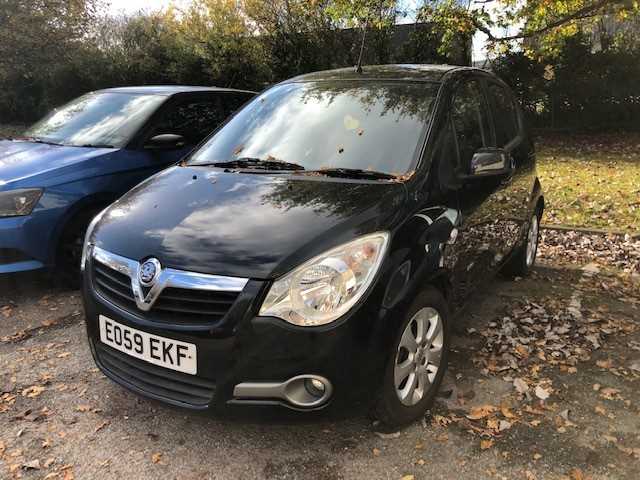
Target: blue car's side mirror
[166, 141]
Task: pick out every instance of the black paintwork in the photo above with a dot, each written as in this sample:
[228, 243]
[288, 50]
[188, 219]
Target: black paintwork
[261, 225]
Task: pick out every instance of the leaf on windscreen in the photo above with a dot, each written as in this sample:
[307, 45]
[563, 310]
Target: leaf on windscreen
[238, 149]
[351, 123]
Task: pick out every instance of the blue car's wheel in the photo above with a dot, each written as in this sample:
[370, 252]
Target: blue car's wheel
[69, 251]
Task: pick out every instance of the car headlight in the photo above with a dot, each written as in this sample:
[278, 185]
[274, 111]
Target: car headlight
[87, 236]
[327, 286]
[20, 202]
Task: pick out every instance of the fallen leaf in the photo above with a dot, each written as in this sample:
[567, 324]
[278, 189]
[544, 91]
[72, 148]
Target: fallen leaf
[101, 426]
[609, 393]
[541, 393]
[486, 444]
[576, 474]
[386, 436]
[506, 412]
[504, 425]
[483, 411]
[376, 452]
[33, 391]
[32, 465]
[156, 457]
[520, 385]
[408, 477]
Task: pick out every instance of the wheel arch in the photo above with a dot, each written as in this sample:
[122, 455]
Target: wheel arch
[94, 201]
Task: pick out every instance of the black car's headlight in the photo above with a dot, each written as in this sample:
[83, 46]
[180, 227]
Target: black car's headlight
[20, 202]
[327, 286]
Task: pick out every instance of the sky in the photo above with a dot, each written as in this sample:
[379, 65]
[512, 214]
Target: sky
[132, 6]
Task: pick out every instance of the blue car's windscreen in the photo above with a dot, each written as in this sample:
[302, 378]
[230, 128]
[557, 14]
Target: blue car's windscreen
[97, 119]
[367, 125]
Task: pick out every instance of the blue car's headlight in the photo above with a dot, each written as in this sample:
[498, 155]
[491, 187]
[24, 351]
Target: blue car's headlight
[16, 203]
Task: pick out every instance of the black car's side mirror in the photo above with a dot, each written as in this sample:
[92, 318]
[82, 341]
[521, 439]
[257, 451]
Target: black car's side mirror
[166, 141]
[489, 162]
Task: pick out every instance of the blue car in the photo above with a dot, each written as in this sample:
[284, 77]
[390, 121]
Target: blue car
[86, 154]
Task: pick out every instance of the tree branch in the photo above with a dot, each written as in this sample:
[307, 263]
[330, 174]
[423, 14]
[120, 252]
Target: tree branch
[584, 12]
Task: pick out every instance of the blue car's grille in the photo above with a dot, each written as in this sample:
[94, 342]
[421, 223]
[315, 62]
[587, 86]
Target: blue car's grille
[175, 305]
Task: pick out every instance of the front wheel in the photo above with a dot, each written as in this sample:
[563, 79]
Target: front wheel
[418, 363]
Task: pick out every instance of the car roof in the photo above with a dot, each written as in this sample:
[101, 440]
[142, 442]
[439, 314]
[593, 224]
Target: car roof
[170, 89]
[408, 72]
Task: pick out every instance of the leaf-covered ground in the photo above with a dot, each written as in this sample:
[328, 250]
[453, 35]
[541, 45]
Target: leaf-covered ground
[591, 181]
[543, 383]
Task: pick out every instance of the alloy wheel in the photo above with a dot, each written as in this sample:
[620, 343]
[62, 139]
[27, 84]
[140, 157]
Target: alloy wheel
[532, 241]
[418, 356]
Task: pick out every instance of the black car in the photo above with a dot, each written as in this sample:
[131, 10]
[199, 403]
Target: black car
[313, 251]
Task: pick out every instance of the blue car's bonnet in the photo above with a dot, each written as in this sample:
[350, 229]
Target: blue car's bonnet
[23, 163]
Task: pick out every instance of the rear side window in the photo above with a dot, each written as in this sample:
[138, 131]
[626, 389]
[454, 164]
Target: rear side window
[505, 114]
[470, 120]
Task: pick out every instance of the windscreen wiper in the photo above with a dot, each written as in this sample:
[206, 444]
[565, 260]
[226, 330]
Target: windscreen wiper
[37, 140]
[96, 145]
[257, 163]
[355, 173]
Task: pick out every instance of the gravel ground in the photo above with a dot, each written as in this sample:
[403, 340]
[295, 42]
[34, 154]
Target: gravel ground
[543, 383]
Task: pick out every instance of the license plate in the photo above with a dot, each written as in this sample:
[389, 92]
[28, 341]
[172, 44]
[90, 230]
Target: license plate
[161, 351]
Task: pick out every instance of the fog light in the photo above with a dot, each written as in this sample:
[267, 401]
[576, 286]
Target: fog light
[315, 387]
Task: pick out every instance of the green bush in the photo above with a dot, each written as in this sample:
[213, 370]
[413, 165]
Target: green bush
[578, 89]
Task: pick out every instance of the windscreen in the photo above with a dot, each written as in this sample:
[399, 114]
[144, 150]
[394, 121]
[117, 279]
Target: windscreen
[369, 125]
[97, 119]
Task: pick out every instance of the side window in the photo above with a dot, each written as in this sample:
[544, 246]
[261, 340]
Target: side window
[470, 120]
[194, 120]
[233, 101]
[505, 114]
[444, 160]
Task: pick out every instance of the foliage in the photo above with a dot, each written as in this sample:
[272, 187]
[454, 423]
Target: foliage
[543, 24]
[32, 32]
[54, 50]
[576, 88]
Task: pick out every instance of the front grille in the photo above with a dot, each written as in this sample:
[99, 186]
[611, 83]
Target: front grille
[160, 382]
[174, 305]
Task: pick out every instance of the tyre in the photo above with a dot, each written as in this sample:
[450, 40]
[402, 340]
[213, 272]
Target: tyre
[417, 363]
[524, 257]
[69, 251]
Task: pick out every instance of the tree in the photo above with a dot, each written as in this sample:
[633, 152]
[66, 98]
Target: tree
[38, 40]
[543, 23]
[365, 14]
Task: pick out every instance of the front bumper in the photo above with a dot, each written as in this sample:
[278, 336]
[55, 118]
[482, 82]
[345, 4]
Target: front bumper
[21, 249]
[349, 353]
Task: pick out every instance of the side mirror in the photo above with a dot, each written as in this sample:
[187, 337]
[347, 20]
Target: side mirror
[166, 141]
[489, 162]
